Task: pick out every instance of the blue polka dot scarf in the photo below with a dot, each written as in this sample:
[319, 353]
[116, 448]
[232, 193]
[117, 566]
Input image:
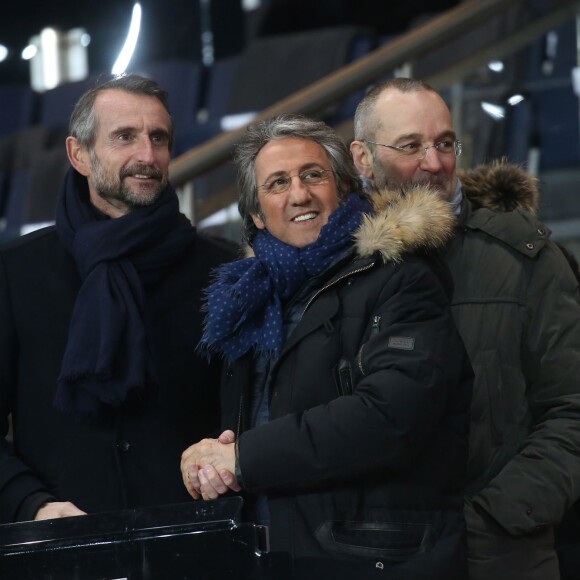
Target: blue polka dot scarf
[244, 303]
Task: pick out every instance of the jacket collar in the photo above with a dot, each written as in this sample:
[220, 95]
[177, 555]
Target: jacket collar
[500, 187]
[415, 220]
[501, 200]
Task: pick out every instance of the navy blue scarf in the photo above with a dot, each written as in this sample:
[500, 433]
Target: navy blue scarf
[107, 352]
[244, 303]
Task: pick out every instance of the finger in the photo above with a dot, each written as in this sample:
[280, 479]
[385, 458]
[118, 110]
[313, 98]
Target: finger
[230, 480]
[192, 491]
[193, 476]
[192, 481]
[207, 490]
[214, 479]
[227, 436]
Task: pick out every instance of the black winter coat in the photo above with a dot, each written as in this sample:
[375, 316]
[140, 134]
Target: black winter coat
[131, 458]
[363, 459]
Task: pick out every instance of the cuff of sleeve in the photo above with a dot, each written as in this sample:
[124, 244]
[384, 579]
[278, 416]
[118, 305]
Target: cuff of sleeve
[31, 504]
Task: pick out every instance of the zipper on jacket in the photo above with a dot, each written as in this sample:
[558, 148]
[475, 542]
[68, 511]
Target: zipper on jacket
[229, 374]
[333, 283]
[239, 427]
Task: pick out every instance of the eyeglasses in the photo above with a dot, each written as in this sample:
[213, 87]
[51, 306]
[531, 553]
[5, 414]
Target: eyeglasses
[282, 183]
[419, 151]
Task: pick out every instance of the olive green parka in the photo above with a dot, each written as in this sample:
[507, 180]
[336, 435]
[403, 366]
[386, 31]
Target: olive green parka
[516, 305]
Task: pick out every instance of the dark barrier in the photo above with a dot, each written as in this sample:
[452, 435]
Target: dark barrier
[197, 540]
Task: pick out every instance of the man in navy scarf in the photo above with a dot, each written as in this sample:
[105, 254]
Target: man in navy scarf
[99, 319]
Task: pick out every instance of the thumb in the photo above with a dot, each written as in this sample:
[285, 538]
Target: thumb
[227, 437]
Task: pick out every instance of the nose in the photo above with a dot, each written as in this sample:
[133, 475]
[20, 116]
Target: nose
[431, 161]
[298, 192]
[145, 151]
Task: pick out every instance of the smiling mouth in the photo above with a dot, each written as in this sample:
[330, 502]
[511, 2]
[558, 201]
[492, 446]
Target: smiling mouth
[141, 172]
[305, 217]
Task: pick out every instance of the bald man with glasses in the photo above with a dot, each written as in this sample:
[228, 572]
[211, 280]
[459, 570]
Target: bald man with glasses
[516, 305]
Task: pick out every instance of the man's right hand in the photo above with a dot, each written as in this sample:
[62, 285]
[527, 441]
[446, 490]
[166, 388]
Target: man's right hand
[58, 509]
[200, 476]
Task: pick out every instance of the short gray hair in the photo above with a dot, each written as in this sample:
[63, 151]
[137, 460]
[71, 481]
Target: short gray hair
[83, 123]
[365, 125]
[283, 127]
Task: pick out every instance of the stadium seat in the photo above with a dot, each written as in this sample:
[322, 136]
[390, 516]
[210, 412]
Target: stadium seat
[17, 107]
[183, 80]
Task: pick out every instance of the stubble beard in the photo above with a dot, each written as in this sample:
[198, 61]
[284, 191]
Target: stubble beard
[382, 181]
[112, 188]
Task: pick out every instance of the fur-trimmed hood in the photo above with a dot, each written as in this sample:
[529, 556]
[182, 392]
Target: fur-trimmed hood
[500, 186]
[405, 222]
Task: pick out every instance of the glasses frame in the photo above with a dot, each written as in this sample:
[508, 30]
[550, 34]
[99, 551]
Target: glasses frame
[325, 177]
[457, 149]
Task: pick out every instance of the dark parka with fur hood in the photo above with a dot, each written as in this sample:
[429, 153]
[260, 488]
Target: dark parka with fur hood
[363, 459]
[516, 305]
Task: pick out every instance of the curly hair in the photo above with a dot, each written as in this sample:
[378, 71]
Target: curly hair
[283, 127]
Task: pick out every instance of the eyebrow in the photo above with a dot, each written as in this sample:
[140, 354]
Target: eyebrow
[124, 129]
[159, 131]
[132, 129]
[418, 137]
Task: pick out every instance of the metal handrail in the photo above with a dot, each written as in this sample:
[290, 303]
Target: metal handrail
[509, 44]
[343, 82]
[364, 71]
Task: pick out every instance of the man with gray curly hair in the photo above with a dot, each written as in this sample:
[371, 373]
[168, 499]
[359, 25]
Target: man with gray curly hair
[259, 135]
[346, 392]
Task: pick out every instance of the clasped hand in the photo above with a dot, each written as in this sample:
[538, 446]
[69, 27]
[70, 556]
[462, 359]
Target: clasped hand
[208, 467]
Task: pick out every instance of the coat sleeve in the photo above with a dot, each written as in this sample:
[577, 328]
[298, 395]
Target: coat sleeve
[411, 360]
[543, 479]
[20, 490]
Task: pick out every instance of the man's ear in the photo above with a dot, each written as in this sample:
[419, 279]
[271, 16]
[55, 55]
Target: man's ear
[78, 156]
[258, 221]
[362, 158]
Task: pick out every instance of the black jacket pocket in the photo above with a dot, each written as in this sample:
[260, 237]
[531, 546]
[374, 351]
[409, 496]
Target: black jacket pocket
[384, 540]
[344, 379]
